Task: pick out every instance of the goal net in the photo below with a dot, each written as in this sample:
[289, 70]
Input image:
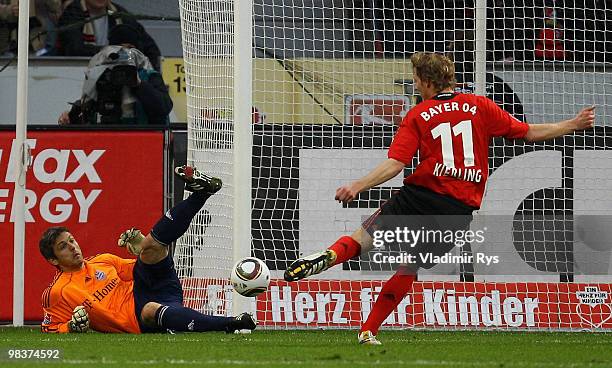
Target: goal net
[328, 83]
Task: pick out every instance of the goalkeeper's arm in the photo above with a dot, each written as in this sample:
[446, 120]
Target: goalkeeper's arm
[78, 322]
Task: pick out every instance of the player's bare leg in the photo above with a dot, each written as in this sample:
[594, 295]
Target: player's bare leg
[341, 251]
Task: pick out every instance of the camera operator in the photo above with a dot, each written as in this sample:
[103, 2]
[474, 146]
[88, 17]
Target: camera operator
[121, 87]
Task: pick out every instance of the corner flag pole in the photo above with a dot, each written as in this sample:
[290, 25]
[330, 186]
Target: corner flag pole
[19, 174]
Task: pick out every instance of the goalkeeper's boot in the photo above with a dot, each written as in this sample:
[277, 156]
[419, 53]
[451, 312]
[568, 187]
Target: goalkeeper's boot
[310, 265]
[368, 338]
[196, 181]
[243, 321]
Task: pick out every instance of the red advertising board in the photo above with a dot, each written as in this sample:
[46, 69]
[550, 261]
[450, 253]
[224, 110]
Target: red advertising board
[431, 305]
[96, 183]
[343, 303]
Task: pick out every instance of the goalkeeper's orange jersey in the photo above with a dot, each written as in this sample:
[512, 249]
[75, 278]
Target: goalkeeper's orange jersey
[104, 287]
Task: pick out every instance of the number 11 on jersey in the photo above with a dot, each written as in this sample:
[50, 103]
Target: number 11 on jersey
[446, 133]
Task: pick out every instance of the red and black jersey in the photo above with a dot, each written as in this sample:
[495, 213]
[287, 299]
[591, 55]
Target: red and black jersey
[452, 132]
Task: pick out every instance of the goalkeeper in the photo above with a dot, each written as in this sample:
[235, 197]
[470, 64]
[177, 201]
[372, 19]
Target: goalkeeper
[452, 132]
[110, 294]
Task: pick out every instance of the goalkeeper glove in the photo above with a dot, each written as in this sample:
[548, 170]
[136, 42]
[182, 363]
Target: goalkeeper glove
[131, 239]
[79, 321]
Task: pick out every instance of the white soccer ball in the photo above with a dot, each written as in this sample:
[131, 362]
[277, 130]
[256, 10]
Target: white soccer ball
[250, 276]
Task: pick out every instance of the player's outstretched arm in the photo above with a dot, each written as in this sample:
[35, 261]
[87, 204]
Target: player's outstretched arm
[383, 172]
[585, 119]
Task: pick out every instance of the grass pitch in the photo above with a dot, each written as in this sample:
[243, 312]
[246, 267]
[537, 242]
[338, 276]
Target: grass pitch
[336, 348]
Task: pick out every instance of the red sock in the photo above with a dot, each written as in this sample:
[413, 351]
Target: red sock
[390, 296]
[345, 248]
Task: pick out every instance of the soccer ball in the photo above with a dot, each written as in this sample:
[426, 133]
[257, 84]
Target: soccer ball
[250, 277]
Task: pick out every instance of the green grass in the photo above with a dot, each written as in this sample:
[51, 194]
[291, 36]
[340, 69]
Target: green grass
[336, 348]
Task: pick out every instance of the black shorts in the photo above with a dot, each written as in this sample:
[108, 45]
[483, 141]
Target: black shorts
[155, 283]
[415, 207]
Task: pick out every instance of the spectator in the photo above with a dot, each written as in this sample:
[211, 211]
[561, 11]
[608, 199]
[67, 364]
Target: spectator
[8, 20]
[549, 42]
[89, 39]
[43, 16]
[121, 87]
[8, 10]
[49, 13]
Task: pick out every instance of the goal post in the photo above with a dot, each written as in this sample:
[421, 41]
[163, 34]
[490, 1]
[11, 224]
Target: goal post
[243, 138]
[217, 56]
[288, 100]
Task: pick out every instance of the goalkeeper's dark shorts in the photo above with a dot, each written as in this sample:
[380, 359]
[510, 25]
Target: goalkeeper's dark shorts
[156, 283]
[417, 208]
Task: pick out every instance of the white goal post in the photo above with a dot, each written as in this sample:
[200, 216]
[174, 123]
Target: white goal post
[287, 100]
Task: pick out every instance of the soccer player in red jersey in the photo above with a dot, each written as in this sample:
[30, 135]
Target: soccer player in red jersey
[452, 132]
[110, 294]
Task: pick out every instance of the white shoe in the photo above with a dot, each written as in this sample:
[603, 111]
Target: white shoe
[368, 338]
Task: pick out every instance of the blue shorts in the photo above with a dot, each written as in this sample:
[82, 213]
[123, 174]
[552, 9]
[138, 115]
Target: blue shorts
[156, 283]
